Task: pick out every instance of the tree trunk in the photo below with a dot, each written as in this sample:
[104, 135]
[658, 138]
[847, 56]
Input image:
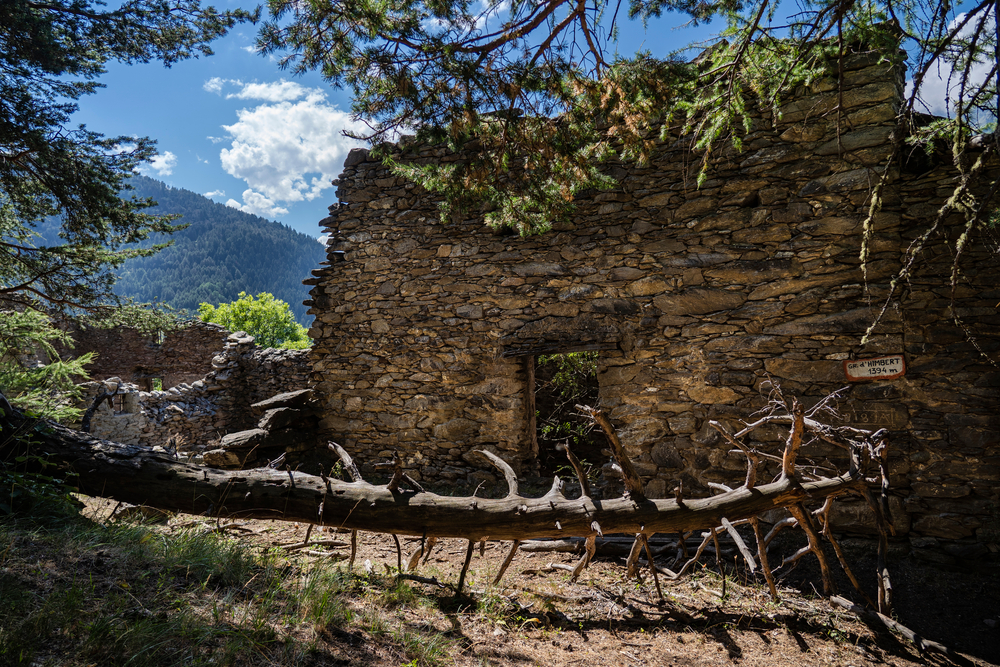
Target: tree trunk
[136, 475]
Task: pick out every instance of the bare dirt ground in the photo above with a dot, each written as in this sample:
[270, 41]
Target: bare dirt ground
[537, 617]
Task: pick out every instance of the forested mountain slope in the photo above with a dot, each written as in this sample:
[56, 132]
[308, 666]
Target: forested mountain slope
[223, 252]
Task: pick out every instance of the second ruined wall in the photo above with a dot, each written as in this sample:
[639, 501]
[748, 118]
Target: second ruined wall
[694, 297]
[183, 355]
[216, 403]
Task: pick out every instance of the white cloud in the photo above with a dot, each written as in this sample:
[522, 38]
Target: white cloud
[249, 49]
[216, 140]
[287, 150]
[483, 15]
[942, 84]
[258, 204]
[216, 193]
[214, 85]
[490, 11]
[324, 239]
[161, 165]
[277, 91]
[274, 91]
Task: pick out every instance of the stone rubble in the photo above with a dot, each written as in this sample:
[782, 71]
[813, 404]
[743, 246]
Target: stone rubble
[203, 412]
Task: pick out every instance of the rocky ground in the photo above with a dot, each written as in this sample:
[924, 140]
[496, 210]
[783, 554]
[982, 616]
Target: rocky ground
[536, 616]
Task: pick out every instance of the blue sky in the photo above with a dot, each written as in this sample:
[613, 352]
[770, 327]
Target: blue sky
[238, 129]
[234, 127]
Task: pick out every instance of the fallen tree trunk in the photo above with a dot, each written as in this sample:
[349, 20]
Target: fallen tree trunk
[135, 475]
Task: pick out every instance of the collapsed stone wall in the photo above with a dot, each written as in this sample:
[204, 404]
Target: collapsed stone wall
[201, 413]
[694, 296]
[182, 356]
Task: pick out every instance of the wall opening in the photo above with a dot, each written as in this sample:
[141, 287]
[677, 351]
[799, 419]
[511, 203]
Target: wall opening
[147, 381]
[563, 381]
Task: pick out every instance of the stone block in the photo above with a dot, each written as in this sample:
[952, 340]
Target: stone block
[854, 321]
[469, 311]
[243, 439]
[746, 344]
[698, 301]
[763, 234]
[946, 526]
[539, 269]
[457, 430]
[640, 434]
[222, 458]
[804, 133]
[647, 286]
[737, 219]
[855, 179]
[613, 306]
[750, 272]
[282, 417]
[659, 199]
[862, 138]
[618, 375]
[853, 515]
[712, 395]
[806, 371]
[695, 207]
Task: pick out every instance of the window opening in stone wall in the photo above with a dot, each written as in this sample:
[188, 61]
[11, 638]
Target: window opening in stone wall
[156, 384]
[563, 381]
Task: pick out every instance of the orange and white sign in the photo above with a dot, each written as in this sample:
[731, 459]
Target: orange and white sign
[878, 368]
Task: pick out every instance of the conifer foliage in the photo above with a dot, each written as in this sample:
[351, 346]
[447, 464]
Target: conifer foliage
[536, 92]
[32, 376]
[51, 54]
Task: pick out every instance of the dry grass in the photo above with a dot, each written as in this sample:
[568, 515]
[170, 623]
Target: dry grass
[85, 590]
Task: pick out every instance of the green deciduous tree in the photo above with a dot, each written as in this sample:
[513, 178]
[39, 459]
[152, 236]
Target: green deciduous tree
[267, 319]
[51, 53]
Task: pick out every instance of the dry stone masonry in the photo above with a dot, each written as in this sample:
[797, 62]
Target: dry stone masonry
[180, 356]
[205, 411]
[693, 296]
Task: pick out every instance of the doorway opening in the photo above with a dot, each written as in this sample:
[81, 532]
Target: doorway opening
[561, 382]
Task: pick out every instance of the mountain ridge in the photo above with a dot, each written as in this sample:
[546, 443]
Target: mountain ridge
[223, 251]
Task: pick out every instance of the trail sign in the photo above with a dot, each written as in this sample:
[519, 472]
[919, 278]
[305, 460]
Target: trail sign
[878, 368]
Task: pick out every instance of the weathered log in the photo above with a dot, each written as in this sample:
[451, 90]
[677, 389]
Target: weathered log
[136, 475]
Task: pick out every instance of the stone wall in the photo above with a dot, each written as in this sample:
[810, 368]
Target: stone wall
[182, 356]
[694, 297]
[202, 412]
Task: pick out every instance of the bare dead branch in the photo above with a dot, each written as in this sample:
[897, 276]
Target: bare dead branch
[632, 480]
[925, 645]
[581, 475]
[507, 471]
[794, 440]
[347, 461]
[762, 555]
[506, 561]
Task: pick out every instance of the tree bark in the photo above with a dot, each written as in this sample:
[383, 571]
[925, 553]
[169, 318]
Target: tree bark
[136, 475]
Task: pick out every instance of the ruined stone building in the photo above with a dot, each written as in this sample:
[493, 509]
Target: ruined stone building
[183, 355]
[209, 379]
[426, 333]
